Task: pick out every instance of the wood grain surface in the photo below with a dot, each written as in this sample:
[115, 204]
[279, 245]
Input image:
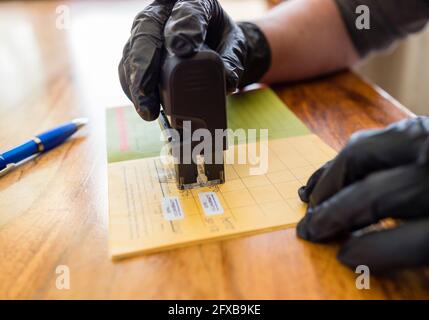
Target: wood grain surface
[53, 210]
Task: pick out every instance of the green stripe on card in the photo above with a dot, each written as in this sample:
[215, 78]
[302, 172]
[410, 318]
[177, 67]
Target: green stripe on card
[263, 109]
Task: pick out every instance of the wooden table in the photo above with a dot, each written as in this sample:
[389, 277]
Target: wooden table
[53, 210]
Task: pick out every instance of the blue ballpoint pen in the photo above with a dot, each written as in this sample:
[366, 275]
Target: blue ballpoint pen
[40, 143]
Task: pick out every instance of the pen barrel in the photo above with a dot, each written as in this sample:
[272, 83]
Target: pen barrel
[3, 162]
[56, 136]
[19, 153]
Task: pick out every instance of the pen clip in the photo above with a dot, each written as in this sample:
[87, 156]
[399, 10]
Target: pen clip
[11, 166]
[8, 168]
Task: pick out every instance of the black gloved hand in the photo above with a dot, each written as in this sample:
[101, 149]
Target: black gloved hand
[183, 27]
[379, 174]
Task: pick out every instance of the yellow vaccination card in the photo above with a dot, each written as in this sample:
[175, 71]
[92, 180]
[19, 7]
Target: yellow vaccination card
[149, 214]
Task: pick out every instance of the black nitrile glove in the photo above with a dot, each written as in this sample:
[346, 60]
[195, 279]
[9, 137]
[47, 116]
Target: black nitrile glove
[379, 174]
[183, 27]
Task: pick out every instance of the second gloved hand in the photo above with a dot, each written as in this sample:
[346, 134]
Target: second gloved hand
[379, 174]
[183, 27]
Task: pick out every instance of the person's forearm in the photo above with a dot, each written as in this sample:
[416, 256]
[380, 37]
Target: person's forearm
[307, 38]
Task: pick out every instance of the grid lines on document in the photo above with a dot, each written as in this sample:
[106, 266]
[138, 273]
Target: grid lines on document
[249, 201]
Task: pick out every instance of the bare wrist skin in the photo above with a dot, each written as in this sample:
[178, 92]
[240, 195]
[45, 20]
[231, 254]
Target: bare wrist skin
[307, 38]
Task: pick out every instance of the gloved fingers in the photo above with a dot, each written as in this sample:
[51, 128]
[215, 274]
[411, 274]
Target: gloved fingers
[370, 151]
[123, 80]
[401, 247]
[121, 70]
[186, 29]
[305, 191]
[423, 158]
[396, 193]
[141, 62]
[143, 84]
[232, 50]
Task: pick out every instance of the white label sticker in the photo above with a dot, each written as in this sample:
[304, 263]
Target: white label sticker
[171, 208]
[210, 203]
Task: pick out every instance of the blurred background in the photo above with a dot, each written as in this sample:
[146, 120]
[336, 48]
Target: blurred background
[69, 51]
